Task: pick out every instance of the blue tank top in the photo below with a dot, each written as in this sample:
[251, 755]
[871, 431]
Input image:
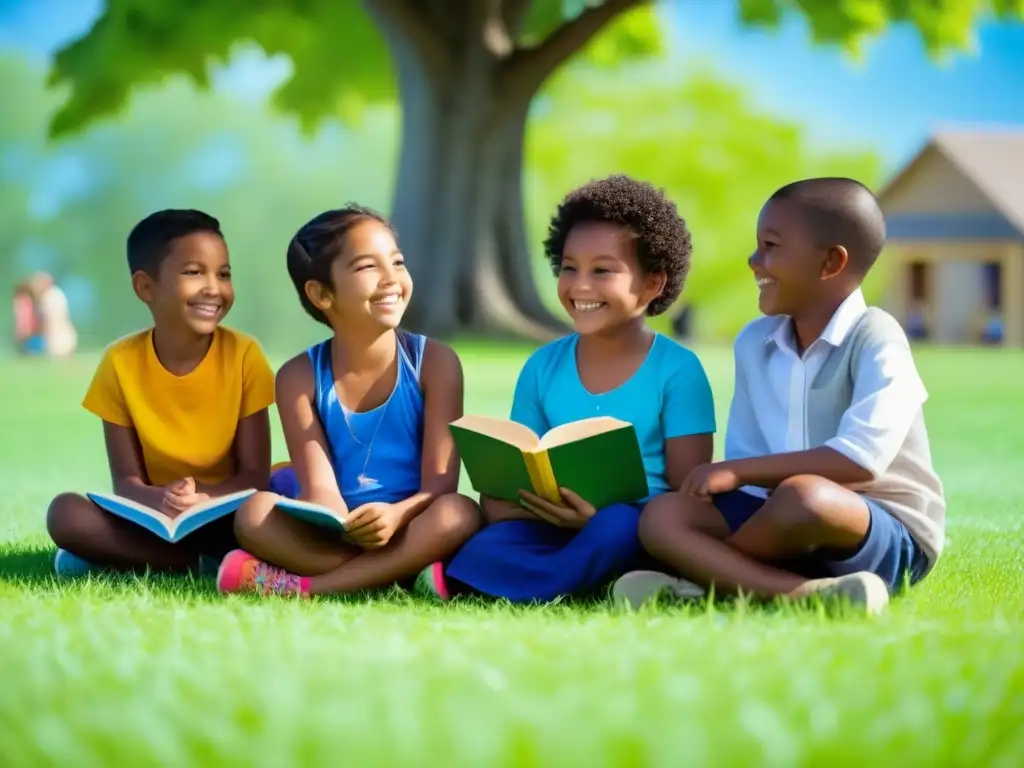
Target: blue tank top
[376, 454]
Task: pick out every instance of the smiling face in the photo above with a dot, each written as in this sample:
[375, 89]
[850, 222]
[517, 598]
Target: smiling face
[192, 289]
[600, 282]
[788, 265]
[370, 286]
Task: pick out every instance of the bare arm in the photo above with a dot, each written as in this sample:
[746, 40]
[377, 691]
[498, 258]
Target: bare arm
[127, 470]
[499, 510]
[307, 444]
[769, 471]
[252, 457]
[684, 454]
[442, 382]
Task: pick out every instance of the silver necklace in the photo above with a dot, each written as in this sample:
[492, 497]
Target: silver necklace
[365, 481]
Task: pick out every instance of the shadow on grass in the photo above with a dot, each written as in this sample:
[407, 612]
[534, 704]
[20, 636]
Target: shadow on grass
[26, 564]
[31, 566]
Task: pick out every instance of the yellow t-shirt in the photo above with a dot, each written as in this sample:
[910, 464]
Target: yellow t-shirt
[186, 424]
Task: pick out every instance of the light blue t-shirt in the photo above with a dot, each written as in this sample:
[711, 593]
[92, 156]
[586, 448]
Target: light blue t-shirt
[668, 396]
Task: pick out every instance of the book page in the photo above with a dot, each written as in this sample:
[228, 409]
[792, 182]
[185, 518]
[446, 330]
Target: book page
[510, 432]
[142, 509]
[198, 509]
[578, 430]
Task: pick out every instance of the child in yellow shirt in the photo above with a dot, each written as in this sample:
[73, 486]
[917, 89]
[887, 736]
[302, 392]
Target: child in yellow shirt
[184, 406]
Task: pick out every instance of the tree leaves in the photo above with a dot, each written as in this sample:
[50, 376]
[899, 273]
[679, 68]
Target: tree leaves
[340, 61]
[943, 25]
[338, 54]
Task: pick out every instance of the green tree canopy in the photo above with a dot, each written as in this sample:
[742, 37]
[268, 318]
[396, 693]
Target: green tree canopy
[464, 73]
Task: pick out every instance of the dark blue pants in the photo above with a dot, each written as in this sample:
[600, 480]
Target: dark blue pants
[888, 550]
[530, 560]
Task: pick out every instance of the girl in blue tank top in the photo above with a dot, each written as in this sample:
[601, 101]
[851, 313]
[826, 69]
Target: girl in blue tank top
[365, 416]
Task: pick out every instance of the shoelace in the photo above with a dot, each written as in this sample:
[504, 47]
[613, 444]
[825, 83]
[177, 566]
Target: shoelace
[271, 580]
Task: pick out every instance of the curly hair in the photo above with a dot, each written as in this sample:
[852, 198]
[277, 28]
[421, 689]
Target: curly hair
[663, 242]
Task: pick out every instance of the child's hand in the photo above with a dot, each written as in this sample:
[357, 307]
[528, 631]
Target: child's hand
[575, 514]
[372, 525]
[708, 480]
[180, 496]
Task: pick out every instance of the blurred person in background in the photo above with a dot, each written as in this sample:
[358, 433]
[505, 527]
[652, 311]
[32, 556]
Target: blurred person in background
[27, 337]
[58, 332]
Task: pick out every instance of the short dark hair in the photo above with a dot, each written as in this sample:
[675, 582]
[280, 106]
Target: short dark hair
[840, 211]
[663, 242]
[318, 243]
[150, 240]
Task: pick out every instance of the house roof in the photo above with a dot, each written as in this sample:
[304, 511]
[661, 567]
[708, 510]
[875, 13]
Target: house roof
[992, 159]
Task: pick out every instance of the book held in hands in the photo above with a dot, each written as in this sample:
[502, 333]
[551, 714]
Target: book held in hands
[172, 529]
[599, 459]
[315, 514]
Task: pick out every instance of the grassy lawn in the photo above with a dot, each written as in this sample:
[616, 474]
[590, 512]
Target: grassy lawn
[160, 671]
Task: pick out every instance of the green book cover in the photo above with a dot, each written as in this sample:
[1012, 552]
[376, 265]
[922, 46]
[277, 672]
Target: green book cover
[599, 459]
[604, 469]
[495, 468]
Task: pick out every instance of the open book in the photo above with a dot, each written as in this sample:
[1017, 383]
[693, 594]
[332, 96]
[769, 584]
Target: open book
[599, 459]
[316, 514]
[172, 529]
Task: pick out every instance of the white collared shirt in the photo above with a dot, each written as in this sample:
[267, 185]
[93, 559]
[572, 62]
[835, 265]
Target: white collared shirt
[768, 414]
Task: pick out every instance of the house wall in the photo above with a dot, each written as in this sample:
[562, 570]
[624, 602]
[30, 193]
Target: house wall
[933, 184]
[959, 294]
[957, 285]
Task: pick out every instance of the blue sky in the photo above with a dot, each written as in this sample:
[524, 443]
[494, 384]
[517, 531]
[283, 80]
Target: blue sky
[890, 100]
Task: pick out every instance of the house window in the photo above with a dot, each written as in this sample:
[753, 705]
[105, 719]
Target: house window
[917, 320]
[918, 281]
[993, 281]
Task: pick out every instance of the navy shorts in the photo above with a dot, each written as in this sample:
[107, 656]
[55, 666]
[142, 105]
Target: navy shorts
[888, 550]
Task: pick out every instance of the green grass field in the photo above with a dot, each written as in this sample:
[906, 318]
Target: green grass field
[162, 671]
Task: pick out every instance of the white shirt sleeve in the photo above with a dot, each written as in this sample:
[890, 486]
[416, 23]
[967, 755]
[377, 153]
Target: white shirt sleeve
[887, 395]
[743, 438]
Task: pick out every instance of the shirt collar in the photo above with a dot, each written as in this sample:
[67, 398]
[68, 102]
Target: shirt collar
[835, 333]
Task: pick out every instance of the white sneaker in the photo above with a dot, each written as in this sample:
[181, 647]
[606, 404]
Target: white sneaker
[863, 590]
[68, 566]
[638, 587]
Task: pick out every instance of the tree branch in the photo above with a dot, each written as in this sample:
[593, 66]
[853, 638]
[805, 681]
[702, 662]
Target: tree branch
[527, 68]
[513, 13]
[408, 19]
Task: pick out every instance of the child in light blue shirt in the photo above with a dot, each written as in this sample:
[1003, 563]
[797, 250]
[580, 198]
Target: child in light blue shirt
[621, 253]
[667, 397]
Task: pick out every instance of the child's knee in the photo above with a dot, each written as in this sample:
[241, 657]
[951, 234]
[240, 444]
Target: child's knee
[661, 512]
[69, 519]
[457, 517]
[804, 506]
[252, 515]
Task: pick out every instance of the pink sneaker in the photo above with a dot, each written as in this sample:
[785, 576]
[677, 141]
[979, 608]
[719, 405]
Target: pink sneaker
[241, 572]
[431, 583]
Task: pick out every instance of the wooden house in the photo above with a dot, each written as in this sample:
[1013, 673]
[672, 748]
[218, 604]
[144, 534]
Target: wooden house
[955, 251]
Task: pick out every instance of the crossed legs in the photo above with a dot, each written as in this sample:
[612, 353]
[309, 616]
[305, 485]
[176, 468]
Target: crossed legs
[804, 515]
[336, 566]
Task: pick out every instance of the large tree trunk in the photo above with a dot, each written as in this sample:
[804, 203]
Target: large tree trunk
[458, 207]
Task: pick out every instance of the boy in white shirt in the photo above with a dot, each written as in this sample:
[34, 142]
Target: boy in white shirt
[827, 485]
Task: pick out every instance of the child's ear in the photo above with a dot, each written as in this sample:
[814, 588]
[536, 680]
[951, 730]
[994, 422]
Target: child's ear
[836, 260]
[317, 293]
[144, 286]
[654, 285]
